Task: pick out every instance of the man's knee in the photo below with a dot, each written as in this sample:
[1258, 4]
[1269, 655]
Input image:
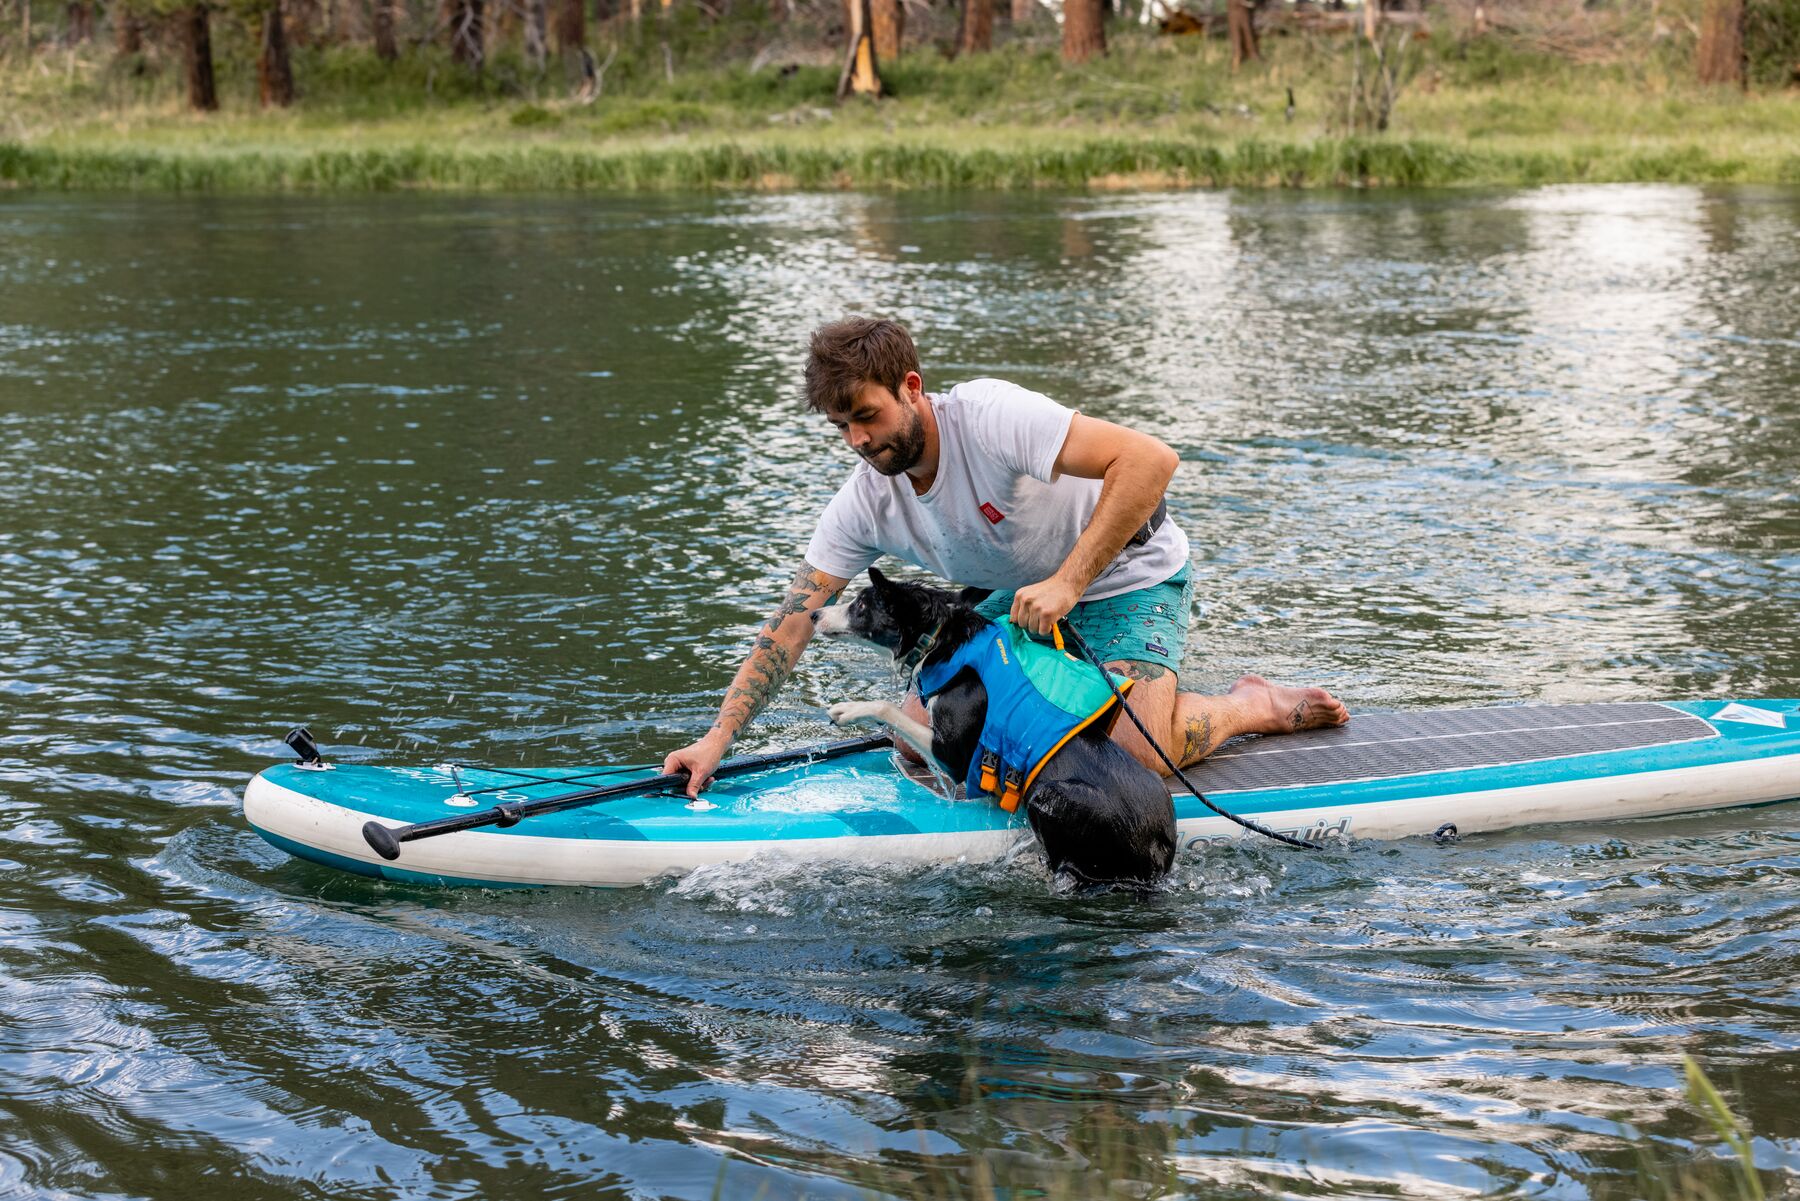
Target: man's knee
[1152, 701]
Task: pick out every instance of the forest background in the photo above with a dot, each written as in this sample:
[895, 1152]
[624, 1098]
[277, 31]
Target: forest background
[259, 95]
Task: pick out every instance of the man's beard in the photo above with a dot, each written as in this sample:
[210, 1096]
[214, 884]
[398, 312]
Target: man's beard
[900, 454]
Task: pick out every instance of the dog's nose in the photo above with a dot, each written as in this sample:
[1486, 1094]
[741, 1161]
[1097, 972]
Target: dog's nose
[816, 614]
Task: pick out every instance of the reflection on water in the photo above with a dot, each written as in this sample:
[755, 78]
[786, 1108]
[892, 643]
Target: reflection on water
[513, 479]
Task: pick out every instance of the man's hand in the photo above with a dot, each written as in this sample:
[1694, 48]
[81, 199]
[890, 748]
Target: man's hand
[699, 760]
[1038, 607]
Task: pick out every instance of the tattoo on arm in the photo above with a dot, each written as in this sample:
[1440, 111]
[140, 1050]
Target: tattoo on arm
[771, 660]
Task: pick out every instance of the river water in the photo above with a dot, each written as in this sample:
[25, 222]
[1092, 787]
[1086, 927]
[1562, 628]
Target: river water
[512, 480]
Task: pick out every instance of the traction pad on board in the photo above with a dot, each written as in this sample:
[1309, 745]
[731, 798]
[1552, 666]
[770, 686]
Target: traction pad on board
[1380, 746]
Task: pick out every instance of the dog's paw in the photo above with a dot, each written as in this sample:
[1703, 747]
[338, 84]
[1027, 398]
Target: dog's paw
[850, 713]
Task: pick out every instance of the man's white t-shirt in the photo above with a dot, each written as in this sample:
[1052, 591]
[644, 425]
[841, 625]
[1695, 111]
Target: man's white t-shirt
[997, 516]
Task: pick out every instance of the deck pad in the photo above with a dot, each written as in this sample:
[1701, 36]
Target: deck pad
[1381, 746]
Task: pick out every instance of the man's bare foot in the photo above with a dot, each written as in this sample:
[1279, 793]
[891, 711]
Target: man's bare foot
[1277, 710]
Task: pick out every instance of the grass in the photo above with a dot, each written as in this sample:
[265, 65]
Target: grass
[1156, 112]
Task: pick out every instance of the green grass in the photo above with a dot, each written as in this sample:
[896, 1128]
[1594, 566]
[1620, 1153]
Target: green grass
[1155, 112]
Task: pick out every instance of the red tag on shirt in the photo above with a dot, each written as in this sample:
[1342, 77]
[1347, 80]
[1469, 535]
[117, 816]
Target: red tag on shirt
[994, 516]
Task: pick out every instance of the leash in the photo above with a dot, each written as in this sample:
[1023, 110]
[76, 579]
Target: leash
[1065, 630]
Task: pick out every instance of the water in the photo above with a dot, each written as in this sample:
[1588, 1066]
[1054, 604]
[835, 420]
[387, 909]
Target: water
[513, 480]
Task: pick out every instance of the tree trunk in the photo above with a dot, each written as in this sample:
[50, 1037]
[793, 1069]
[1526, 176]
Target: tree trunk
[347, 24]
[862, 70]
[196, 47]
[1084, 34]
[571, 26]
[25, 26]
[387, 48]
[301, 22]
[80, 22]
[274, 73]
[128, 31]
[1022, 11]
[888, 20]
[537, 40]
[465, 33]
[1722, 42]
[1371, 18]
[977, 33]
[1241, 23]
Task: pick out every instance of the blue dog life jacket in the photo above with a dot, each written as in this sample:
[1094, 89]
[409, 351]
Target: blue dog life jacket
[1038, 698]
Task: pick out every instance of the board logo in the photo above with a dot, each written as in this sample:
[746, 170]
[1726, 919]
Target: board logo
[994, 516]
[1750, 715]
[1317, 832]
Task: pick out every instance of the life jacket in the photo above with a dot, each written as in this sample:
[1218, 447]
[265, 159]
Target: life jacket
[1038, 697]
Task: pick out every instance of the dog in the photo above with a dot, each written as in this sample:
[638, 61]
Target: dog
[1101, 817]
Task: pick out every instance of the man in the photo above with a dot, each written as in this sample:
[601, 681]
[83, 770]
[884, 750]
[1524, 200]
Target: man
[998, 487]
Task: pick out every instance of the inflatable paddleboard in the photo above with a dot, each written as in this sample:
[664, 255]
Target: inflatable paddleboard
[1384, 775]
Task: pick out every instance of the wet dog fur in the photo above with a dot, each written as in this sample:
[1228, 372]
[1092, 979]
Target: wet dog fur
[1101, 817]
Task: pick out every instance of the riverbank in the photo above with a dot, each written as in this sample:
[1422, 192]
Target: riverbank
[1157, 112]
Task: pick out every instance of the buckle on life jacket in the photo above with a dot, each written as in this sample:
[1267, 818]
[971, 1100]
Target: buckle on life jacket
[990, 772]
[1015, 787]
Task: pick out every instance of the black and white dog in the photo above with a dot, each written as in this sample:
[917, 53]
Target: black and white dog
[1100, 815]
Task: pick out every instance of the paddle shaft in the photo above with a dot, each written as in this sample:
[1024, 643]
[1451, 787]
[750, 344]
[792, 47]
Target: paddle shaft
[385, 840]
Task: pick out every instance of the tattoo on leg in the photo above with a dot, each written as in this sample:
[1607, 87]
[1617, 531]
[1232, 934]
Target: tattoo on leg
[1297, 718]
[1138, 670]
[1198, 742]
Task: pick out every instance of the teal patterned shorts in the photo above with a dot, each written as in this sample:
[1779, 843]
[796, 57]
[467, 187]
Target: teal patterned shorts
[1149, 625]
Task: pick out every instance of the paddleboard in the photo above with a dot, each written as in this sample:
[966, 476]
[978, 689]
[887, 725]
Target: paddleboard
[1384, 775]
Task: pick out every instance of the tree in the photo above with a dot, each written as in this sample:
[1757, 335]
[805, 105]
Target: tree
[464, 19]
[1722, 57]
[274, 72]
[862, 70]
[887, 21]
[1022, 10]
[571, 26]
[536, 34]
[387, 48]
[194, 26]
[80, 26]
[976, 36]
[1241, 23]
[1084, 33]
[128, 30]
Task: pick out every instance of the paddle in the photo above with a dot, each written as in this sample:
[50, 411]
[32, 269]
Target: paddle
[386, 840]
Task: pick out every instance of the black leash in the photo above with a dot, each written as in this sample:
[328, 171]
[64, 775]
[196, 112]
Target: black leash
[1081, 648]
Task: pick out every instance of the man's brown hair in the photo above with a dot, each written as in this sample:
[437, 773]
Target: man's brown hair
[847, 354]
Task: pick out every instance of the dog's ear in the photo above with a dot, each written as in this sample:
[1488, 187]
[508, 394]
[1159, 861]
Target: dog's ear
[876, 578]
[973, 596]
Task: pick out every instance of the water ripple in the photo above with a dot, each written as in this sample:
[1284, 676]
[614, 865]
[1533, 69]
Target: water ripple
[516, 480]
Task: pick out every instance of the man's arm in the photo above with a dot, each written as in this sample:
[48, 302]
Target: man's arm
[764, 670]
[1136, 469]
